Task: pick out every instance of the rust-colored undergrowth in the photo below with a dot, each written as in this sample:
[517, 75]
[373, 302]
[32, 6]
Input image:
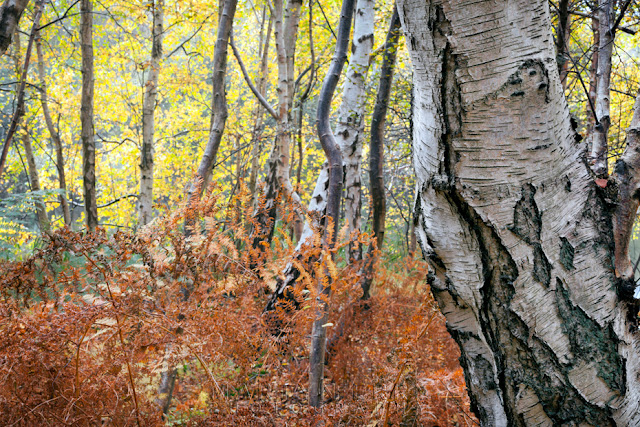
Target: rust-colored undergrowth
[89, 323]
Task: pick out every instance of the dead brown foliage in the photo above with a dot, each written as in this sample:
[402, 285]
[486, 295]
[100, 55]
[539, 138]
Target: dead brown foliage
[89, 322]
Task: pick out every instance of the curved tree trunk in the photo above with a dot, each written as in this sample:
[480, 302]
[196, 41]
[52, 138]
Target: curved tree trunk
[145, 200]
[219, 107]
[347, 135]
[518, 236]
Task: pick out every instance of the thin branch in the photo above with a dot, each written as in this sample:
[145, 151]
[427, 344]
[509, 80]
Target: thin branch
[247, 79]
[65, 15]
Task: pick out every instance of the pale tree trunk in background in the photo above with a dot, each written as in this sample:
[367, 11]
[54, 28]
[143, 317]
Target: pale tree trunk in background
[518, 236]
[563, 38]
[219, 107]
[278, 182]
[350, 118]
[259, 111]
[55, 136]
[41, 210]
[593, 82]
[347, 136]
[145, 200]
[10, 14]
[86, 116]
[599, 150]
[376, 151]
[334, 194]
[32, 169]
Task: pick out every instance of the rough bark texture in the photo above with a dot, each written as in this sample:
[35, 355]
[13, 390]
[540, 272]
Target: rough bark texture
[145, 200]
[86, 116]
[10, 13]
[53, 132]
[334, 158]
[518, 236]
[600, 146]
[219, 106]
[376, 151]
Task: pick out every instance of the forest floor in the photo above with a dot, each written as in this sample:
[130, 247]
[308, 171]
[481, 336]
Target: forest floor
[90, 322]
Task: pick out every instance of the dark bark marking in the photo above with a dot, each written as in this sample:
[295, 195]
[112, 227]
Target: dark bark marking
[567, 253]
[541, 266]
[590, 342]
[527, 219]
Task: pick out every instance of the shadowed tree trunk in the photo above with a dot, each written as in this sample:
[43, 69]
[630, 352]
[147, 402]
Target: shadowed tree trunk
[86, 116]
[10, 14]
[334, 193]
[519, 238]
[563, 38]
[53, 132]
[219, 107]
[145, 200]
[376, 151]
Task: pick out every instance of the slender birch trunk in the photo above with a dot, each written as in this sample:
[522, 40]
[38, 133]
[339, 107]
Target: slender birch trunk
[53, 132]
[145, 200]
[376, 151]
[219, 111]
[600, 148]
[336, 176]
[593, 83]
[519, 238]
[86, 116]
[278, 182]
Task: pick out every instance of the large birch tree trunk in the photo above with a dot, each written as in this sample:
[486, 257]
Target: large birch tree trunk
[145, 200]
[518, 236]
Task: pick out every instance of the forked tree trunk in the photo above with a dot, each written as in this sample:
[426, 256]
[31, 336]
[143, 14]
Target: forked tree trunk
[518, 236]
[53, 132]
[145, 200]
[86, 116]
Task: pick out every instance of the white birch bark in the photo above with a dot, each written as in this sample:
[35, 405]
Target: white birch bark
[518, 236]
[145, 199]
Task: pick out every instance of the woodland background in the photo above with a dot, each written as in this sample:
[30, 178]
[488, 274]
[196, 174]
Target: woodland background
[92, 321]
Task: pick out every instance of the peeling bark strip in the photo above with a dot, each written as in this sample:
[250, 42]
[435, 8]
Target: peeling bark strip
[86, 116]
[519, 238]
[376, 151]
[145, 201]
[10, 14]
[334, 158]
